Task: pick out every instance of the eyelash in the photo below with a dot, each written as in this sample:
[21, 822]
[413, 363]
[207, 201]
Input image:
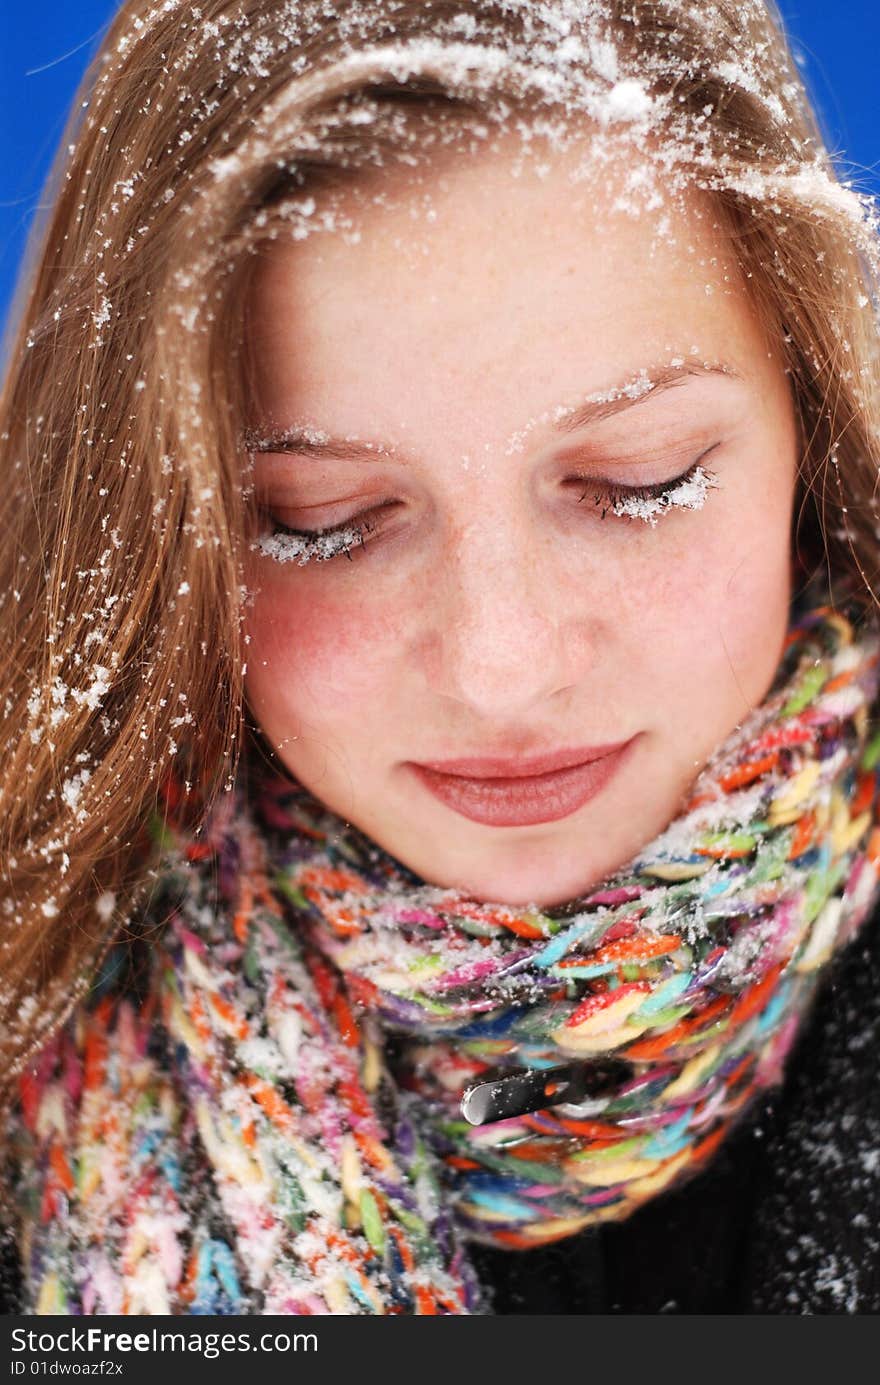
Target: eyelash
[661, 492]
[324, 544]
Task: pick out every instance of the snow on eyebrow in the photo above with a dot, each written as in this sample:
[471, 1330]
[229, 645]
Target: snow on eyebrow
[641, 383]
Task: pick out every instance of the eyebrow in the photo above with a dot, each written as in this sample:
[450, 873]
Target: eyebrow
[307, 441]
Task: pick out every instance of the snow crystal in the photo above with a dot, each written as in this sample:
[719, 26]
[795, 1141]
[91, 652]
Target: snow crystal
[71, 790]
[627, 100]
[104, 905]
[101, 316]
[91, 696]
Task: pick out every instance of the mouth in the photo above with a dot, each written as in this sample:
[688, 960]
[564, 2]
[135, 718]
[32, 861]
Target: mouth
[521, 766]
[490, 792]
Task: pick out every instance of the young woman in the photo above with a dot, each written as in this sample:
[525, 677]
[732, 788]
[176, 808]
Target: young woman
[439, 453]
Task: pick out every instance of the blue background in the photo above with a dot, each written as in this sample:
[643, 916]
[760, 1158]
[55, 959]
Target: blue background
[45, 47]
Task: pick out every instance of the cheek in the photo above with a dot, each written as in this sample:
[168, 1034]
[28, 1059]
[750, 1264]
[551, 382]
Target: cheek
[741, 634]
[311, 651]
[718, 601]
[755, 596]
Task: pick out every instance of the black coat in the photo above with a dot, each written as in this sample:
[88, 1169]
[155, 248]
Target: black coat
[786, 1219]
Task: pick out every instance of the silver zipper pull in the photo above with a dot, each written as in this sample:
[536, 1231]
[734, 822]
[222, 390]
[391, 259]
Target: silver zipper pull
[517, 1091]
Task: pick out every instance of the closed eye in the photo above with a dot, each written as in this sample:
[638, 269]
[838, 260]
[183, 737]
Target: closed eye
[688, 490]
[285, 544]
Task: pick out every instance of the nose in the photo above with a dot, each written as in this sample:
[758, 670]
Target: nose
[505, 629]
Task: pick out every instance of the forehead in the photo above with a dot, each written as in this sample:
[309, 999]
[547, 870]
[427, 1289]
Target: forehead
[460, 208]
[497, 278]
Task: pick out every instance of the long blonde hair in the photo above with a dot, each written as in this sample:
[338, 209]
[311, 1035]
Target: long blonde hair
[199, 134]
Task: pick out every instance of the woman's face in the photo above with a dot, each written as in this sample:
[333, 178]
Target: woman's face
[508, 600]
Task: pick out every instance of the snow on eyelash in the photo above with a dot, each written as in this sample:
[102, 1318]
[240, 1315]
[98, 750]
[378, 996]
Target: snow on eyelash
[301, 548]
[689, 492]
[634, 502]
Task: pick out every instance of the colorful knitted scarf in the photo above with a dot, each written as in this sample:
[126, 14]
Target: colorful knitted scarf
[315, 1077]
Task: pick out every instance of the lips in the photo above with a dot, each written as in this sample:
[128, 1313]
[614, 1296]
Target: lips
[498, 767]
[487, 792]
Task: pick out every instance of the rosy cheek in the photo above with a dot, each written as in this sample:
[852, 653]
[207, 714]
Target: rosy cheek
[310, 645]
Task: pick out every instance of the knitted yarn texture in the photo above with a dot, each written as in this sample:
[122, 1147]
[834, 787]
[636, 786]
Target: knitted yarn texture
[258, 1108]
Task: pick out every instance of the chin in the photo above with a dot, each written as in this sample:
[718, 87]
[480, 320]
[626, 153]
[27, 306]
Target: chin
[522, 886]
[538, 867]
